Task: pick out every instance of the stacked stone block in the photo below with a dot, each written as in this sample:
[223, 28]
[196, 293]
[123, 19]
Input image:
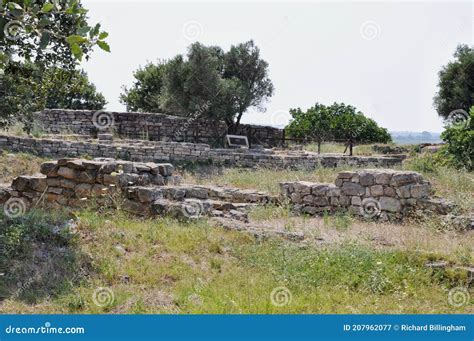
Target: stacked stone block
[151, 126]
[177, 152]
[370, 193]
[141, 188]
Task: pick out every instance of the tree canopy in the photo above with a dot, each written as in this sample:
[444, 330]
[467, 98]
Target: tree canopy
[456, 83]
[47, 32]
[28, 88]
[459, 139]
[335, 122]
[217, 84]
[144, 95]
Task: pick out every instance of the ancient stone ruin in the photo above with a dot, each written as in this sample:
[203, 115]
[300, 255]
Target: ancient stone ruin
[145, 189]
[151, 189]
[150, 126]
[372, 193]
[182, 153]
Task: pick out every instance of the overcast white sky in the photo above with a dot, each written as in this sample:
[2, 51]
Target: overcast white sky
[382, 57]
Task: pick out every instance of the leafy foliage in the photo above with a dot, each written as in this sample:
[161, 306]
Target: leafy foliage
[47, 32]
[28, 88]
[144, 95]
[456, 83]
[459, 139]
[335, 122]
[207, 82]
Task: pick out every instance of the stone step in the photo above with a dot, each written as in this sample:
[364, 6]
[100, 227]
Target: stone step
[188, 208]
[187, 191]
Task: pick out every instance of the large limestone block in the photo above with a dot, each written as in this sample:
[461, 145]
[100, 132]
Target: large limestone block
[390, 204]
[352, 188]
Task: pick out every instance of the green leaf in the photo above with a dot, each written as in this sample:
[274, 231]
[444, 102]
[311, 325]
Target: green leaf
[76, 51]
[47, 7]
[75, 39]
[103, 35]
[44, 21]
[103, 45]
[95, 30]
[13, 6]
[44, 41]
[82, 31]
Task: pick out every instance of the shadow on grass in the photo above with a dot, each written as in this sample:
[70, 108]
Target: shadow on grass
[39, 256]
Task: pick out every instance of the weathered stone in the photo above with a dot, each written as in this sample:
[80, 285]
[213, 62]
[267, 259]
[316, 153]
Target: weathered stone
[420, 191]
[83, 190]
[383, 178]
[303, 187]
[166, 169]
[54, 182]
[390, 204]
[333, 191]
[136, 208]
[366, 179]
[296, 197]
[320, 201]
[75, 164]
[64, 183]
[351, 188]
[55, 190]
[20, 183]
[404, 178]
[88, 176]
[50, 169]
[319, 189]
[404, 191]
[345, 175]
[356, 201]
[389, 192]
[376, 190]
[149, 194]
[68, 173]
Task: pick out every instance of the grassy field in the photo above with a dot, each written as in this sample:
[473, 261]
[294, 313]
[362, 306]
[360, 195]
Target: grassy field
[116, 263]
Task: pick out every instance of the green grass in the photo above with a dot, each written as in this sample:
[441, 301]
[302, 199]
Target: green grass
[262, 179]
[363, 149]
[167, 266]
[13, 165]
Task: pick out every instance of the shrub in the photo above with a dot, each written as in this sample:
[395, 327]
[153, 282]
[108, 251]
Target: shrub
[459, 138]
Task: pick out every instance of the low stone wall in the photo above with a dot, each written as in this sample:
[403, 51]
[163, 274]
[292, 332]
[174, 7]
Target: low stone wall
[149, 126]
[150, 189]
[369, 193]
[144, 189]
[177, 152]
